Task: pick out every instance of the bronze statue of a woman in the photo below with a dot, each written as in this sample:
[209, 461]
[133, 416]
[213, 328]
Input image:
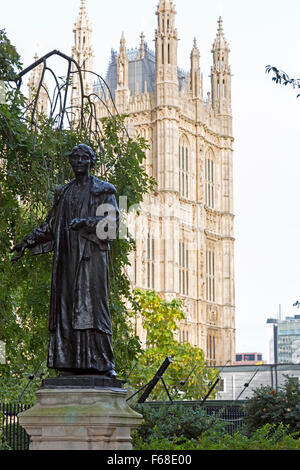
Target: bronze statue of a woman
[77, 232]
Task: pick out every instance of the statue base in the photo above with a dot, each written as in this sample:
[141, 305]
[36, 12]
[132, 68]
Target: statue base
[80, 413]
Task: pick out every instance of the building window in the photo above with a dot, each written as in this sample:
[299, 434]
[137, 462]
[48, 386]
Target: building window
[211, 349]
[183, 268]
[150, 262]
[249, 357]
[221, 385]
[184, 169]
[135, 269]
[210, 182]
[214, 348]
[210, 277]
[184, 336]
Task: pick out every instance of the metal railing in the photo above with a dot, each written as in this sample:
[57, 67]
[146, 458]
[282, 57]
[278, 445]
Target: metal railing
[15, 436]
[232, 415]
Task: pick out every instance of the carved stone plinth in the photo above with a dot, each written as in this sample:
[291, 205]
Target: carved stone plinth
[71, 417]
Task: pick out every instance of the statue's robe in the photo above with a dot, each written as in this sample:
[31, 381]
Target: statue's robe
[79, 319]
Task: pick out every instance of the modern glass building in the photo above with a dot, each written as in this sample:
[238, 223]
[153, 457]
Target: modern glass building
[284, 340]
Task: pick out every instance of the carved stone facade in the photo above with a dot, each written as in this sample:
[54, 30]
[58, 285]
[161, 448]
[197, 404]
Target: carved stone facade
[185, 235]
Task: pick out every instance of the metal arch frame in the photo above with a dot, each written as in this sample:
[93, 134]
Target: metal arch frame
[88, 120]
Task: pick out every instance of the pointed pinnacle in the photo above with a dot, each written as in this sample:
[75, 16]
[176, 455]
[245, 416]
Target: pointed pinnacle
[220, 21]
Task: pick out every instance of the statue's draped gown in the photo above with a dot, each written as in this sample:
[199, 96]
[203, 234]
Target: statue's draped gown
[79, 319]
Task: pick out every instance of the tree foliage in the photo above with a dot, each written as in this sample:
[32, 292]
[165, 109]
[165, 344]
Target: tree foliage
[175, 421]
[160, 319]
[282, 78]
[269, 437]
[32, 164]
[267, 406]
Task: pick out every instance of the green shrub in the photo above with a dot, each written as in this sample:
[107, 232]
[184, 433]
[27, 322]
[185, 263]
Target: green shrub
[175, 421]
[3, 443]
[267, 406]
[269, 437]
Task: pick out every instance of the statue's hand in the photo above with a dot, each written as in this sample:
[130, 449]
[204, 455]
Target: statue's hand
[20, 249]
[77, 223]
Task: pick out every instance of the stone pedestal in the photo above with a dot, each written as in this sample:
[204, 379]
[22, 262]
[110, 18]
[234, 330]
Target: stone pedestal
[82, 413]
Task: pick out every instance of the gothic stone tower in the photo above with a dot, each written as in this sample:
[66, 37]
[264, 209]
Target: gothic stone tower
[184, 235]
[37, 85]
[82, 53]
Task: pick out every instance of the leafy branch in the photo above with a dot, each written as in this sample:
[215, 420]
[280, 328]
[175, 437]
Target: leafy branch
[282, 78]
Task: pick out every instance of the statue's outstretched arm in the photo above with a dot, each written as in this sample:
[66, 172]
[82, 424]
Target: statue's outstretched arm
[40, 235]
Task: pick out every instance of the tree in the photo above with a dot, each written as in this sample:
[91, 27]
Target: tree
[282, 77]
[160, 319]
[267, 406]
[32, 164]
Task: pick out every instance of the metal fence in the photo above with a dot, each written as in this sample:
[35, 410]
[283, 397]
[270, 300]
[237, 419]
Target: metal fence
[231, 414]
[15, 436]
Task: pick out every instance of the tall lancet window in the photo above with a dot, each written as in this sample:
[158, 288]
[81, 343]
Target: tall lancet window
[210, 275]
[184, 163]
[134, 268]
[210, 180]
[150, 262]
[183, 268]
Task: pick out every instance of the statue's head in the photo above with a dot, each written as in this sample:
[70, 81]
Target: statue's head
[82, 158]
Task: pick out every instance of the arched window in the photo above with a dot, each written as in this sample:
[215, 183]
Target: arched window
[183, 268]
[211, 348]
[150, 262]
[210, 180]
[135, 269]
[184, 163]
[210, 275]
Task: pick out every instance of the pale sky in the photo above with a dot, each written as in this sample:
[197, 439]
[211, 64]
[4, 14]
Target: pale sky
[265, 122]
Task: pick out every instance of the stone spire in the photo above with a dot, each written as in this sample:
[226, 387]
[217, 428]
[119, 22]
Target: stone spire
[165, 5]
[166, 42]
[122, 65]
[82, 52]
[82, 20]
[196, 78]
[220, 41]
[33, 86]
[166, 17]
[142, 49]
[221, 72]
